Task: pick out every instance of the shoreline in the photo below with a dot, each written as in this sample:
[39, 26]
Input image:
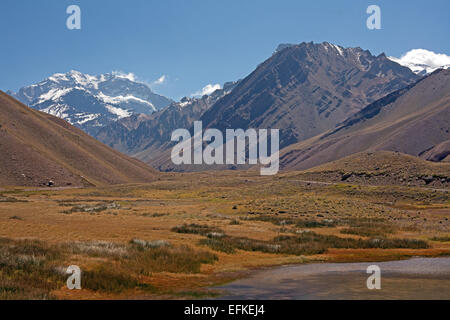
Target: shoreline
[273, 280]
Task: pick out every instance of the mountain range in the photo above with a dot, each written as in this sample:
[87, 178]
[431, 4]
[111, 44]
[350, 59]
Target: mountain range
[91, 102]
[303, 90]
[328, 101]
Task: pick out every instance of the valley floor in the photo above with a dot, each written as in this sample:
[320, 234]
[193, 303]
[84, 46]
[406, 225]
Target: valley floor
[184, 233]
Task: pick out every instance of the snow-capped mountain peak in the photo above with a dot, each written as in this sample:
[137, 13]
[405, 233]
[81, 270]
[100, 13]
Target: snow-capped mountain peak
[422, 61]
[91, 101]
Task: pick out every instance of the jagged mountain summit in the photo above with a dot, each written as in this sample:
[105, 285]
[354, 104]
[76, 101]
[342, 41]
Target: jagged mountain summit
[91, 102]
[423, 62]
[306, 89]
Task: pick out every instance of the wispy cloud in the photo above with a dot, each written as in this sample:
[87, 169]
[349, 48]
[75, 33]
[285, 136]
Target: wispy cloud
[130, 76]
[160, 80]
[208, 89]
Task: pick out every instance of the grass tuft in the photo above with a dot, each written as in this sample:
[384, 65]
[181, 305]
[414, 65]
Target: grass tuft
[196, 229]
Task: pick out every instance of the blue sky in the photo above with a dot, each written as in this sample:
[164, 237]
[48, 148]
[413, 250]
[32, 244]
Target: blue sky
[198, 42]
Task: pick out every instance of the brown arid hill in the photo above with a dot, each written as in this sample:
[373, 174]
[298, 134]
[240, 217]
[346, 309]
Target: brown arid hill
[440, 152]
[379, 168]
[37, 148]
[411, 120]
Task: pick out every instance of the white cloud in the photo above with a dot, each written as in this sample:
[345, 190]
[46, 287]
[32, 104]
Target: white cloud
[423, 61]
[160, 80]
[130, 76]
[208, 89]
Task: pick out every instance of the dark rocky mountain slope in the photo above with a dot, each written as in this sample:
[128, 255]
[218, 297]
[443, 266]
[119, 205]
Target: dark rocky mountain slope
[414, 120]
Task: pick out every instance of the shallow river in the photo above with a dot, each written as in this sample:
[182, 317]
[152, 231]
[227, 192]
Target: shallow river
[417, 278]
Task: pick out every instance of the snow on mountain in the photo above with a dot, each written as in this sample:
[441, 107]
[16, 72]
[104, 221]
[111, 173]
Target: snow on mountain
[151, 134]
[422, 61]
[91, 102]
[120, 113]
[54, 94]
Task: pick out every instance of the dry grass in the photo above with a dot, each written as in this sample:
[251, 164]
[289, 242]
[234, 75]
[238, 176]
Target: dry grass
[32, 269]
[10, 199]
[441, 239]
[301, 223]
[92, 209]
[368, 227]
[168, 238]
[197, 229]
[307, 243]
[27, 269]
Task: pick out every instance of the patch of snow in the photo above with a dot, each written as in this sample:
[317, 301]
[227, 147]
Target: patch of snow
[119, 112]
[184, 104]
[86, 117]
[122, 99]
[327, 45]
[53, 94]
[58, 77]
[84, 80]
[338, 48]
[57, 110]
